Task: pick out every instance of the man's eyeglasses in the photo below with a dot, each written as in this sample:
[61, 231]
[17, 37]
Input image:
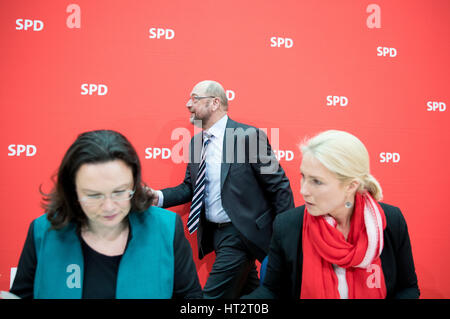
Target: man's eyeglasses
[196, 98]
[98, 199]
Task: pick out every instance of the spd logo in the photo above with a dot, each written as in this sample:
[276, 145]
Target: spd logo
[387, 157]
[22, 150]
[161, 33]
[384, 51]
[436, 106]
[333, 100]
[28, 24]
[93, 89]
[280, 42]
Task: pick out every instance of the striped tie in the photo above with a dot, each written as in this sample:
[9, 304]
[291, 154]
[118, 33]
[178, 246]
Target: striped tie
[199, 190]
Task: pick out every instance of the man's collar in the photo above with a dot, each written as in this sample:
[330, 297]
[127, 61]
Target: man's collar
[218, 129]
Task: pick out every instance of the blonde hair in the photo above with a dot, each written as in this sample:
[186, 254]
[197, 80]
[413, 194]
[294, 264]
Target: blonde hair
[346, 156]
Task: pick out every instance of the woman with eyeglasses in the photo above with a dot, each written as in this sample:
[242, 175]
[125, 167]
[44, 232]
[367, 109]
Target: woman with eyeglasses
[100, 237]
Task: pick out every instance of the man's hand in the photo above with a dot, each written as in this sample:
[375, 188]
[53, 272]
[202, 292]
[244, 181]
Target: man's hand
[151, 192]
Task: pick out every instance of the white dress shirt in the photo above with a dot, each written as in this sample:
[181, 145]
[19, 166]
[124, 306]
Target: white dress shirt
[213, 200]
[213, 209]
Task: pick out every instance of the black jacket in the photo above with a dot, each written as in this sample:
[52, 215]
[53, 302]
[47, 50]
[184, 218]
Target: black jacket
[284, 269]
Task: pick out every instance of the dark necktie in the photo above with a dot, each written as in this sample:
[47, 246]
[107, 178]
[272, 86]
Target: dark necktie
[199, 191]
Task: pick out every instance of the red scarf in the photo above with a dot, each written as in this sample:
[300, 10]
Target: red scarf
[324, 245]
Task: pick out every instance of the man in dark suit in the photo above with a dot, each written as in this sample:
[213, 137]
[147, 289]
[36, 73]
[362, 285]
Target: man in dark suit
[236, 187]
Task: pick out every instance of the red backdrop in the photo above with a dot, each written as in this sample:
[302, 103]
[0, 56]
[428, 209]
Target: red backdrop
[378, 69]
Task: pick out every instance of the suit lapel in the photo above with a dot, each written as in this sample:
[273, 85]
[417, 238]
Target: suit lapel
[225, 167]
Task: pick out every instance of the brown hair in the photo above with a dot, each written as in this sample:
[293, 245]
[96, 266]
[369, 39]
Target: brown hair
[61, 205]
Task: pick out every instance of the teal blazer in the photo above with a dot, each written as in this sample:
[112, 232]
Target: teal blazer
[146, 269]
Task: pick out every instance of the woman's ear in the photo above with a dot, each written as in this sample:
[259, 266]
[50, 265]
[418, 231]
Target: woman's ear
[353, 186]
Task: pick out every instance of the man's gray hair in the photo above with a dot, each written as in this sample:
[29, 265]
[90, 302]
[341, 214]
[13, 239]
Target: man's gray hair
[216, 89]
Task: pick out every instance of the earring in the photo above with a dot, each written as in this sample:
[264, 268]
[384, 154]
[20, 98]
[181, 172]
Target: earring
[348, 204]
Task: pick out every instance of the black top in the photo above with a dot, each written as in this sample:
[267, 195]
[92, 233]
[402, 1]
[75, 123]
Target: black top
[100, 271]
[284, 268]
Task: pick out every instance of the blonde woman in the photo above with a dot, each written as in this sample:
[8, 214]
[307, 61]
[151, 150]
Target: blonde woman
[343, 243]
